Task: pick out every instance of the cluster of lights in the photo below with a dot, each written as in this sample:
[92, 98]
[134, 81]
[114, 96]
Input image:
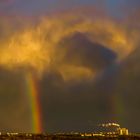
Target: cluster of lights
[109, 124]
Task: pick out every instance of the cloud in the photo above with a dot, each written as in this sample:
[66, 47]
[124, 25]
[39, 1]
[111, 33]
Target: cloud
[37, 46]
[82, 63]
[82, 57]
[13, 102]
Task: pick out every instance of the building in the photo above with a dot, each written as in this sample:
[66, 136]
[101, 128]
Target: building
[113, 129]
[122, 131]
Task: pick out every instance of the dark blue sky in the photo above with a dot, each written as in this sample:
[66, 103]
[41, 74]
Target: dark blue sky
[35, 7]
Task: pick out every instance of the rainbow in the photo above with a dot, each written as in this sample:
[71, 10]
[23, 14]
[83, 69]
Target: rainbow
[119, 106]
[35, 109]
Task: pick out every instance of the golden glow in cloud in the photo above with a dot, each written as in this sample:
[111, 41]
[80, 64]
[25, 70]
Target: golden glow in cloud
[36, 46]
[24, 50]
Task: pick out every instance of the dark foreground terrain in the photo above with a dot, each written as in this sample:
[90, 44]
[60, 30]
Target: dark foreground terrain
[29, 136]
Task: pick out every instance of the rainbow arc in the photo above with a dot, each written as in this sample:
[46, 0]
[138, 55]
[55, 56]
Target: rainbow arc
[33, 93]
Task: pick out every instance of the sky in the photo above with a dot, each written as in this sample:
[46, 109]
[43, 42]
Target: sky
[69, 65]
[34, 7]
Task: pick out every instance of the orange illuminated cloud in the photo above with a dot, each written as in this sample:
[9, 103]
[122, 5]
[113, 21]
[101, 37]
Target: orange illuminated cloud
[44, 46]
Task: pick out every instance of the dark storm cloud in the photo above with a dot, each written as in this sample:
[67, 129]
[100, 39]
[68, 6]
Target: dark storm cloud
[12, 103]
[81, 51]
[69, 100]
[72, 105]
[94, 102]
[128, 87]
